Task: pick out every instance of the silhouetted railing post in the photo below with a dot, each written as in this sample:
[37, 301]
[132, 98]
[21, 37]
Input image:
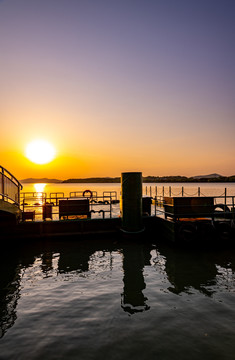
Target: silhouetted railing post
[182, 191]
[199, 193]
[163, 191]
[225, 196]
[18, 200]
[150, 191]
[3, 190]
[110, 206]
[169, 190]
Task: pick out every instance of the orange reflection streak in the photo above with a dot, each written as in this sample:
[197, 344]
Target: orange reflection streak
[39, 188]
[40, 192]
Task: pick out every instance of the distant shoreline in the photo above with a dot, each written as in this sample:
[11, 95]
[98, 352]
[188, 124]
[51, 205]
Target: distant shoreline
[146, 179]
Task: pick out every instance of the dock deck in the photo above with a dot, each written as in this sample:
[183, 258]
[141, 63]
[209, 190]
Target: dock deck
[178, 219]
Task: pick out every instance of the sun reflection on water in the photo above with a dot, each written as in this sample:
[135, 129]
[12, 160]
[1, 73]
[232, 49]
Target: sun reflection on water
[40, 194]
[39, 187]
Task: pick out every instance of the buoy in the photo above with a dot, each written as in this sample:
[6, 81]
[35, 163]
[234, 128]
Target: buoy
[223, 207]
[87, 191]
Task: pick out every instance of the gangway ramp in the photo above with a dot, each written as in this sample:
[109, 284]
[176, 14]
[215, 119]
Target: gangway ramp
[9, 197]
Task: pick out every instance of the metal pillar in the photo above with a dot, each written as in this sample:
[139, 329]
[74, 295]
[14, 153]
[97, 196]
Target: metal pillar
[131, 202]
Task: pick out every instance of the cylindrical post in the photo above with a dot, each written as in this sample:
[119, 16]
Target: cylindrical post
[182, 191]
[163, 191]
[150, 191]
[156, 190]
[199, 191]
[131, 202]
[169, 190]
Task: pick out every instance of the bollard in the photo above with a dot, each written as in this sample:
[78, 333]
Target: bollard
[131, 202]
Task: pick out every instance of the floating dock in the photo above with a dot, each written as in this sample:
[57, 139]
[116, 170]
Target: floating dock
[177, 219]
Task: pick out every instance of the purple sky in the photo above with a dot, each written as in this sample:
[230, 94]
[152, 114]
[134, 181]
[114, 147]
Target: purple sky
[119, 85]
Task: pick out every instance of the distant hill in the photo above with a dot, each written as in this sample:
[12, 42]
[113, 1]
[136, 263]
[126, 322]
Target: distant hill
[159, 179]
[42, 180]
[94, 180]
[210, 176]
[146, 179]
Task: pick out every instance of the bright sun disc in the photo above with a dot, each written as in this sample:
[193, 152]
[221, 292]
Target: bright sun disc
[40, 152]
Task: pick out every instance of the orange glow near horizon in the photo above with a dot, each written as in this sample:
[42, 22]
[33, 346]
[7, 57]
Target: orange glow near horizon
[85, 162]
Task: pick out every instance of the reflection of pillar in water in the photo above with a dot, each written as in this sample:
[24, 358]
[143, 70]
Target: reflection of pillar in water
[133, 299]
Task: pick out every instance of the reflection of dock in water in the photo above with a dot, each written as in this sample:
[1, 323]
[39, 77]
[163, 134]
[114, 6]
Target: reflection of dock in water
[186, 271]
[9, 292]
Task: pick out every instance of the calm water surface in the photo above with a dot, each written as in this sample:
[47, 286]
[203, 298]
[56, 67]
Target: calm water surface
[190, 189]
[115, 299]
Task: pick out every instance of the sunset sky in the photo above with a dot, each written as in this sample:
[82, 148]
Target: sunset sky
[118, 85]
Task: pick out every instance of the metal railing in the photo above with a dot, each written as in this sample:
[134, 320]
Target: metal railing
[37, 206]
[9, 187]
[44, 207]
[178, 190]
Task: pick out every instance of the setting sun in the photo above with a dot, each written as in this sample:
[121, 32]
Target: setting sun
[40, 152]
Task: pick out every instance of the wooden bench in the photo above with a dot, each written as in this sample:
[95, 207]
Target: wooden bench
[188, 207]
[74, 207]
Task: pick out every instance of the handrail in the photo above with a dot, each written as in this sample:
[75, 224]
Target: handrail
[36, 210]
[3, 170]
[9, 187]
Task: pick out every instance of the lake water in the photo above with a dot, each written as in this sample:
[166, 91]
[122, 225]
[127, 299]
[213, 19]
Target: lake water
[190, 189]
[111, 298]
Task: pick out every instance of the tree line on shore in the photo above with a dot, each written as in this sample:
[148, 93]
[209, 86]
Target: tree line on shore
[155, 179]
